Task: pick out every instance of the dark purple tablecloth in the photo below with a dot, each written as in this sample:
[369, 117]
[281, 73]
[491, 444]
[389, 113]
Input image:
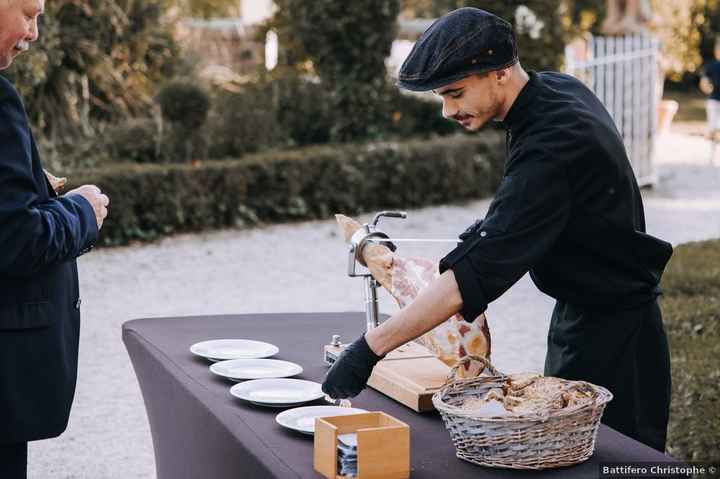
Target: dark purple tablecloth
[200, 431]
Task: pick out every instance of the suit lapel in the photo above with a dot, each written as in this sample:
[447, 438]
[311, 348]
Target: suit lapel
[43, 183]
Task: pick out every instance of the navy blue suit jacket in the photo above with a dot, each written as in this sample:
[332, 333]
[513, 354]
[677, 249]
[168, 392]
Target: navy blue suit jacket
[41, 235]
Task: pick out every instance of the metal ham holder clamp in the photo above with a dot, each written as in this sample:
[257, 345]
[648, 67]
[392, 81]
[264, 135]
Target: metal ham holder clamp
[409, 374]
[370, 233]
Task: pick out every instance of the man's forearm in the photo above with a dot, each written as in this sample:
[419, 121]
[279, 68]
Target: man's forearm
[435, 304]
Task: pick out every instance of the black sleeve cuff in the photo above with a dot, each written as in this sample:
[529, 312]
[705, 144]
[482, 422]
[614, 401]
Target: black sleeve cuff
[474, 300]
[364, 347]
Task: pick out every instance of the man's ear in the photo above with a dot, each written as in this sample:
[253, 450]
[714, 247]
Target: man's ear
[503, 76]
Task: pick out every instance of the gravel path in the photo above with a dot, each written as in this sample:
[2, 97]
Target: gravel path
[296, 267]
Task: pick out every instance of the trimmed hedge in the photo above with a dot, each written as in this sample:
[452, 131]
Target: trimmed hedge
[148, 201]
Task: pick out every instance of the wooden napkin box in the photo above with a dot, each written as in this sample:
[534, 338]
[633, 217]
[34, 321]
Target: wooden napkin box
[383, 445]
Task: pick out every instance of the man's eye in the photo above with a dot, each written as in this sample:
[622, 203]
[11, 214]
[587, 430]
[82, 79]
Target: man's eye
[455, 96]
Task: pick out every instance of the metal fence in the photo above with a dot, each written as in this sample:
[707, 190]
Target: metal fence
[622, 71]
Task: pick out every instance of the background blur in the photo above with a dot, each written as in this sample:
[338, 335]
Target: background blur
[106, 71]
[245, 124]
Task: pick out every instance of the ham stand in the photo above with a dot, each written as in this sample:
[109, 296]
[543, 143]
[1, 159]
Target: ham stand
[410, 374]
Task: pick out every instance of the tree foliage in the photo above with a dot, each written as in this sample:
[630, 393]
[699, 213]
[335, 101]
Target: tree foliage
[345, 44]
[538, 27]
[686, 30]
[96, 61]
[707, 18]
[205, 8]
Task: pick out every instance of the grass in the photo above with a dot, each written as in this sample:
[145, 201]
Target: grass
[691, 310]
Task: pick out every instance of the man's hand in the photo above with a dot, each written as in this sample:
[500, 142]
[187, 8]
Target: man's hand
[96, 198]
[433, 305]
[706, 85]
[350, 373]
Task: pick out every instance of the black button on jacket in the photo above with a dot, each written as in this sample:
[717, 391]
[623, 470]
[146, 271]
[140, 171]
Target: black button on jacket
[568, 209]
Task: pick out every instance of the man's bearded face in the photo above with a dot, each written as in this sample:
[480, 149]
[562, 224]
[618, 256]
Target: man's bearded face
[472, 101]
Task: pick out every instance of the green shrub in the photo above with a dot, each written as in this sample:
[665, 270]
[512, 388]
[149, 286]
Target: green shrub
[274, 113]
[183, 103]
[135, 140]
[185, 107]
[413, 116]
[303, 109]
[691, 311]
[289, 111]
[153, 200]
[246, 122]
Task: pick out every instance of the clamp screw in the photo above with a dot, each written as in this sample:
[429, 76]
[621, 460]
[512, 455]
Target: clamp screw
[335, 340]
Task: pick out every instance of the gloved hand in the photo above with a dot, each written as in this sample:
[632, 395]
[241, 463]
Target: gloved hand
[351, 371]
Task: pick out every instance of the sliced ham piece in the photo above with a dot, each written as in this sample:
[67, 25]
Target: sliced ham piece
[56, 183]
[404, 278]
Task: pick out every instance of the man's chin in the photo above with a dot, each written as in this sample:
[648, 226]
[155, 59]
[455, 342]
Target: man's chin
[15, 53]
[6, 60]
[474, 125]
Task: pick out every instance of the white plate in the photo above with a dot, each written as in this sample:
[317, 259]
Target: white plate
[302, 419]
[221, 349]
[277, 392]
[241, 369]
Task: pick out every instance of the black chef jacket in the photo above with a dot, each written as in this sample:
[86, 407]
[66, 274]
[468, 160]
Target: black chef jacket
[568, 209]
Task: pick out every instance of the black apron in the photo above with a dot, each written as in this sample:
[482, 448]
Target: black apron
[626, 352]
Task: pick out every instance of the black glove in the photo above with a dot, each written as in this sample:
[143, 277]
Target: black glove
[351, 371]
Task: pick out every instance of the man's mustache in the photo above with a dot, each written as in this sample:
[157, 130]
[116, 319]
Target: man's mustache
[460, 117]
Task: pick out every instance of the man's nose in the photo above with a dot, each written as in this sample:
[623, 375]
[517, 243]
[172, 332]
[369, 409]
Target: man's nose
[34, 33]
[449, 108]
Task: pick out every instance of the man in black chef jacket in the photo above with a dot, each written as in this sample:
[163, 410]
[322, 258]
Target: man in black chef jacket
[568, 210]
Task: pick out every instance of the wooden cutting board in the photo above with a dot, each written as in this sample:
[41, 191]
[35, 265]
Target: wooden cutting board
[410, 375]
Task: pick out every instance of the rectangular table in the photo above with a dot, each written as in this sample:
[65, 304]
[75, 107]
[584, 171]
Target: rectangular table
[200, 430]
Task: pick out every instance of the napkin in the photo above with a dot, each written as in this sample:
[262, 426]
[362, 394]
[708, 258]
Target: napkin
[347, 455]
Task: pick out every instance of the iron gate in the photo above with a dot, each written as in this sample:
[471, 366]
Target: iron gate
[622, 71]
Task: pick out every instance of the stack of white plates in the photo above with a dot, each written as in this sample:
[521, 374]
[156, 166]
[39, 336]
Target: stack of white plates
[267, 381]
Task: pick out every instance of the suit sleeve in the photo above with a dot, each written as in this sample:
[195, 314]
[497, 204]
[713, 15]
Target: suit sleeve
[35, 231]
[526, 216]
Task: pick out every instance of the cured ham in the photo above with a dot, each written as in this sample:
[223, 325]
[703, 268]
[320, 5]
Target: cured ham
[404, 278]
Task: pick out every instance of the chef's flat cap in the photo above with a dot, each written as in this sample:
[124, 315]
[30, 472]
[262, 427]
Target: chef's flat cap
[459, 44]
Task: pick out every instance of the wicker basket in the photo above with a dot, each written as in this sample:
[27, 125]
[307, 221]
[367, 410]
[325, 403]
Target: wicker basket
[560, 438]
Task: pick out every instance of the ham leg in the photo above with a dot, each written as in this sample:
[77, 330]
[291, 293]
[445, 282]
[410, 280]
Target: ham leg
[404, 278]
